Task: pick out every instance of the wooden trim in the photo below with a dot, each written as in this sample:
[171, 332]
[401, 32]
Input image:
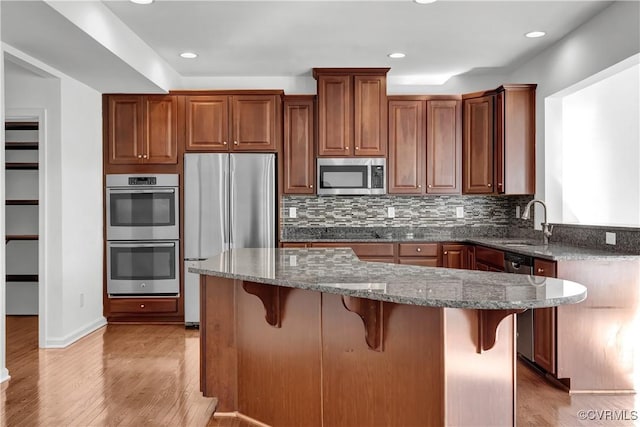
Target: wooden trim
[272, 298]
[229, 92]
[371, 313]
[424, 97]
[488, 321]
[350, 71]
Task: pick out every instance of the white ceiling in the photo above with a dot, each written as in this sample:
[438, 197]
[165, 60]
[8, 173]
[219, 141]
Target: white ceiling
[289, 38]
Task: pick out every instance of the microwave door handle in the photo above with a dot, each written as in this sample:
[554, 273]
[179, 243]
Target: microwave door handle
[156, 190]
[142, 245]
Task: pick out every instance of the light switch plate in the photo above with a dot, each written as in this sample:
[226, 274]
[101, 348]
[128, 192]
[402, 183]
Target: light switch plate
[293, 212]
[391, 212]
[517, 211]
[610, 238]
[460, 212]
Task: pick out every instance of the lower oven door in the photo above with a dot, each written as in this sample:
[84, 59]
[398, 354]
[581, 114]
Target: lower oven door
[143, 268]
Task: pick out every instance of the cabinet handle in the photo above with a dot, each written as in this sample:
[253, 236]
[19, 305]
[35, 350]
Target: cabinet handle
[235, 142]
[418, 249]
[488, 185]
[144, 156]
[419, 185]
[446, 252]
[141, 305]
[430, 185]
[357, 148]
[224, 142]
[499, 185]
[346, 148]
[541, 270]
[311, 186]
[139, 156]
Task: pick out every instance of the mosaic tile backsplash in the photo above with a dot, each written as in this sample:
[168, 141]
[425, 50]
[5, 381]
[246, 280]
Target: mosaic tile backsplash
[416, 212]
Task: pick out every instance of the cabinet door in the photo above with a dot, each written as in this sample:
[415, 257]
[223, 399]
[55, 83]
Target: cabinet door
[335, 115]
[406, 146]
[254, 122]
[370, 115]
[161, 130]
[454, 256]
[544, 324]
[298, 145]
[515, 139]
[125, 129]
[207, 123]
[477, 154]
[444, 147]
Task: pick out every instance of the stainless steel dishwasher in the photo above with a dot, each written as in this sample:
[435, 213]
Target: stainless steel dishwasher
[522, 264]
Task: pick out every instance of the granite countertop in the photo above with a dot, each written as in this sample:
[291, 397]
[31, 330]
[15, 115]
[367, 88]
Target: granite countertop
[339, 271]
[523, 246]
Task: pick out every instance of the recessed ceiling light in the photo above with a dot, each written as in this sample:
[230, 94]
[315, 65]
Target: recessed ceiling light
[535, 34]
[189, 55]
[396, 55]
[141, 1]
[424, 1]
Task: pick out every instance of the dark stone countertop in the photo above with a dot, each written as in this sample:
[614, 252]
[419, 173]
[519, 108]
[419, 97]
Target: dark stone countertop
[339, 271]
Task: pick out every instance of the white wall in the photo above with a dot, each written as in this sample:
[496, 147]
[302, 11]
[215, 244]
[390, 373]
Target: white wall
[71, 197]
[607, 39]
[4, 374]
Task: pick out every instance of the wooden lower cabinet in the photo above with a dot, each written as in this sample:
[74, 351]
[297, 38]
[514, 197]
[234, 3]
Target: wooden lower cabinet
[455, 255]
[424, 254]
[125, 310]
[487, 259]
[544, 324]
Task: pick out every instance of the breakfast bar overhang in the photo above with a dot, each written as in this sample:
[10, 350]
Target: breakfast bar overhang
[316, 337]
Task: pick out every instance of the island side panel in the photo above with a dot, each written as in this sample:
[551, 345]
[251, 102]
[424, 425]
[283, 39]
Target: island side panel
[279, 369]
[480, 386]
[597, 340]
[402, 385]
[218, 350]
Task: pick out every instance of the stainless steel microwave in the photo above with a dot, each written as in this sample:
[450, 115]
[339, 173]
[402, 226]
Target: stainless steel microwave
[349, 176]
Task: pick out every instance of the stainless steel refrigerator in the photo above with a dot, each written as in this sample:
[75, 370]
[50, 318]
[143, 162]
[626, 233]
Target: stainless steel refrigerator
[229, 202]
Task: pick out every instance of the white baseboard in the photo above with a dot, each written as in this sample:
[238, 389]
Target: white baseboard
[4, 375]
[75, 335]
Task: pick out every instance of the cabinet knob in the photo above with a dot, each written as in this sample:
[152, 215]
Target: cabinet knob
[540, 270]
[430, 185]
[357, 148]
[499, 185]
[346, 148]
[235, 142]
[141, 305]
[311, 186]
[419, 185]
[488, 185]
[139, 156]
[224, 142]
[446, 252]
[418, 249]
[144, 156]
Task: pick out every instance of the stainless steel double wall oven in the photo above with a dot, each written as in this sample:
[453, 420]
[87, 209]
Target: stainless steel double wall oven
[143, 232]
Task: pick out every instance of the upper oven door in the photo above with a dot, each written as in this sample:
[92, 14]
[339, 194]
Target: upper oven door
[143, 213]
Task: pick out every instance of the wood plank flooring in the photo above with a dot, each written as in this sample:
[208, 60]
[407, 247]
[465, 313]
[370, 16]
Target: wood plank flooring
[137, 375]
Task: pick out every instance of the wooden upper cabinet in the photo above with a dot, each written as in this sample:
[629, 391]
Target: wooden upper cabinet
[161, 133]
[444, 146]
[298, 144]
[207, 123]
[370, 114]
[478, 140]
[254, 122]
[142, 129]
[406, 146]
[352, 111]
[335, 115]
[232, 122]
[515, 139]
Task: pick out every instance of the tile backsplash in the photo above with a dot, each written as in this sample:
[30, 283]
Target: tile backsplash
[418, 212]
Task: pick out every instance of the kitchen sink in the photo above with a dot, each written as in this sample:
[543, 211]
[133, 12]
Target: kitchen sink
[519, 243]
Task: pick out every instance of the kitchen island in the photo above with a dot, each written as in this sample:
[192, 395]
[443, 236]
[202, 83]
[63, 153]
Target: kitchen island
[316, 337]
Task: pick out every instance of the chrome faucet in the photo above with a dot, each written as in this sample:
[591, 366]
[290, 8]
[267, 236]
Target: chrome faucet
[546, 227]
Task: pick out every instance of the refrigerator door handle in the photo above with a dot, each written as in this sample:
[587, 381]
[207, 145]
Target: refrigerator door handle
[228, 202]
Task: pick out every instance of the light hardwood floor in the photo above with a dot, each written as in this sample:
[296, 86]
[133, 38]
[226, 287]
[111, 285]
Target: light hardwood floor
[134, 375]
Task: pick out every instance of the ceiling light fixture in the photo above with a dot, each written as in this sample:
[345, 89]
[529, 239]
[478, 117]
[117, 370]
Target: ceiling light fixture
[535, 34]
[396, 55]
[189, 55]
[141, 1]
[425, 1]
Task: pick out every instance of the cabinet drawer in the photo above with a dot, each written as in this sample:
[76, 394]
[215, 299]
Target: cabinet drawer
[491, 257]
[140, 305]
[418, 249]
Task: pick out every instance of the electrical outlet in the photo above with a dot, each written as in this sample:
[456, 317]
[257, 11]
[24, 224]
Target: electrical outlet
[391, 212]
[293, 212]
[517, 211]
[610, 238]
[460, 212]
[293, 260]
